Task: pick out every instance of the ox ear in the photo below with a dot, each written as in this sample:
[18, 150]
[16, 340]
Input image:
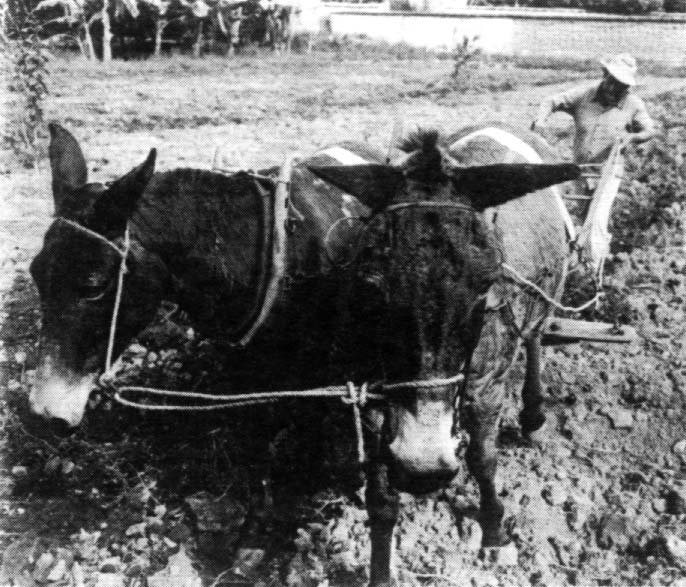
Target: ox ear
[69, 171]
[114, 207]
[492, 185]
[374, 185]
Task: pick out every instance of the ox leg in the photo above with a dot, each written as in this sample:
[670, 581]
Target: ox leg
[481, 422]
[482, 403]
[383, 506]
[532, 417]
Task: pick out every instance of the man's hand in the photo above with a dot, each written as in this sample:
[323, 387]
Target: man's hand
[539, 125]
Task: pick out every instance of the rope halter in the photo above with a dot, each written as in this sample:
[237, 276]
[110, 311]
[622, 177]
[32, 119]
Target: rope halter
[107, 376]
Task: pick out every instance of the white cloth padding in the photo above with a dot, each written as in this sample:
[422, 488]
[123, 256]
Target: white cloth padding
[517, 145]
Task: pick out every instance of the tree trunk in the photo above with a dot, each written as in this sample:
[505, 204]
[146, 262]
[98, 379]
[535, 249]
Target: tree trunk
[160, 25]
[197, 48]
[90, 49]
[106, 33]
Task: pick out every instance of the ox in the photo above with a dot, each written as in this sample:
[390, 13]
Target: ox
[428, 298]
[197, 240]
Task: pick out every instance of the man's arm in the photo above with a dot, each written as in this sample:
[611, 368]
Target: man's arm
[642, 127]
[564, 102]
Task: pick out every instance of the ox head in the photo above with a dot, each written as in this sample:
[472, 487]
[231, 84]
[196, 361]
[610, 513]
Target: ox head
[76, 275]
[432, 267]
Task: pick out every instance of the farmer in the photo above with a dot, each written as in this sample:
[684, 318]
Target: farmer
[603, 112]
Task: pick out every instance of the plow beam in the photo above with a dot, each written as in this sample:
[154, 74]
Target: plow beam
[558, 331]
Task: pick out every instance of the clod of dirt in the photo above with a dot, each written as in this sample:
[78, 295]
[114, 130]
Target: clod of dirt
[214, 514]
[504, 556]
[553, 494]
[136, 529]
[246, 561]
[20, 472]
[679, 449]
[620, 418]
[42, 568]
[108, 580]
[614, 530]
[179, 572]
[675, 502]
[58, 572]
[676, 547]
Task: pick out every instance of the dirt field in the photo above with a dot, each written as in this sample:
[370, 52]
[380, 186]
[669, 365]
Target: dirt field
[602, 503]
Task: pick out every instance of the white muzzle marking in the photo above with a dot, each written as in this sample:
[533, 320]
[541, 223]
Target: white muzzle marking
[61, 399]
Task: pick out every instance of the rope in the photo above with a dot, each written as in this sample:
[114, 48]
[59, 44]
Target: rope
[428, 204]
[255, 398]
[357, 400]
[92, 233]
[117, 301]
[523, 280]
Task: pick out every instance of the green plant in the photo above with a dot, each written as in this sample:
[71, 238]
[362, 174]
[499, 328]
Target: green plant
[29, 86]
[465, 53]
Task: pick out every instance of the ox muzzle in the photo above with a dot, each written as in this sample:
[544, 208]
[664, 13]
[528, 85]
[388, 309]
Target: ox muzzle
[59, 393]
[426, 448]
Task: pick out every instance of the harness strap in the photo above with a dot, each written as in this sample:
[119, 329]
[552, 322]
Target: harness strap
[278, 260]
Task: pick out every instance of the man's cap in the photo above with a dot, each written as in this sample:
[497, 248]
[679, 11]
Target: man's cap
[622, 67]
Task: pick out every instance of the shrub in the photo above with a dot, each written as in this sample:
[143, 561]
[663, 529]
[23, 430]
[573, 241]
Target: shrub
[29, 86]
[675, 5]
[652, 198]
[465, 53]
[623, 6]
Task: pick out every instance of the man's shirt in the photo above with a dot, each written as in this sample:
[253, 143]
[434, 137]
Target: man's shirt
[597, 124]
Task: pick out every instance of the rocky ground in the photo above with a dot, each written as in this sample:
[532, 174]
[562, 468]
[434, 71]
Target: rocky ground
[135, 500]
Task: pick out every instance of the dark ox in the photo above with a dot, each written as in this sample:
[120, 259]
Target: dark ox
[195, 240]
[428, 298]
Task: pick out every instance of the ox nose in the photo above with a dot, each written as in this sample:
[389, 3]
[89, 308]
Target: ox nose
[425, 450]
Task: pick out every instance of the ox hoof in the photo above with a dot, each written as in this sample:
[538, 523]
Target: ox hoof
[501, 556]
[538, 437]
[531, 422]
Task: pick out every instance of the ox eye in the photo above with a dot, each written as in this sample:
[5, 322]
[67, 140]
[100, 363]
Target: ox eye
[93, 289]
